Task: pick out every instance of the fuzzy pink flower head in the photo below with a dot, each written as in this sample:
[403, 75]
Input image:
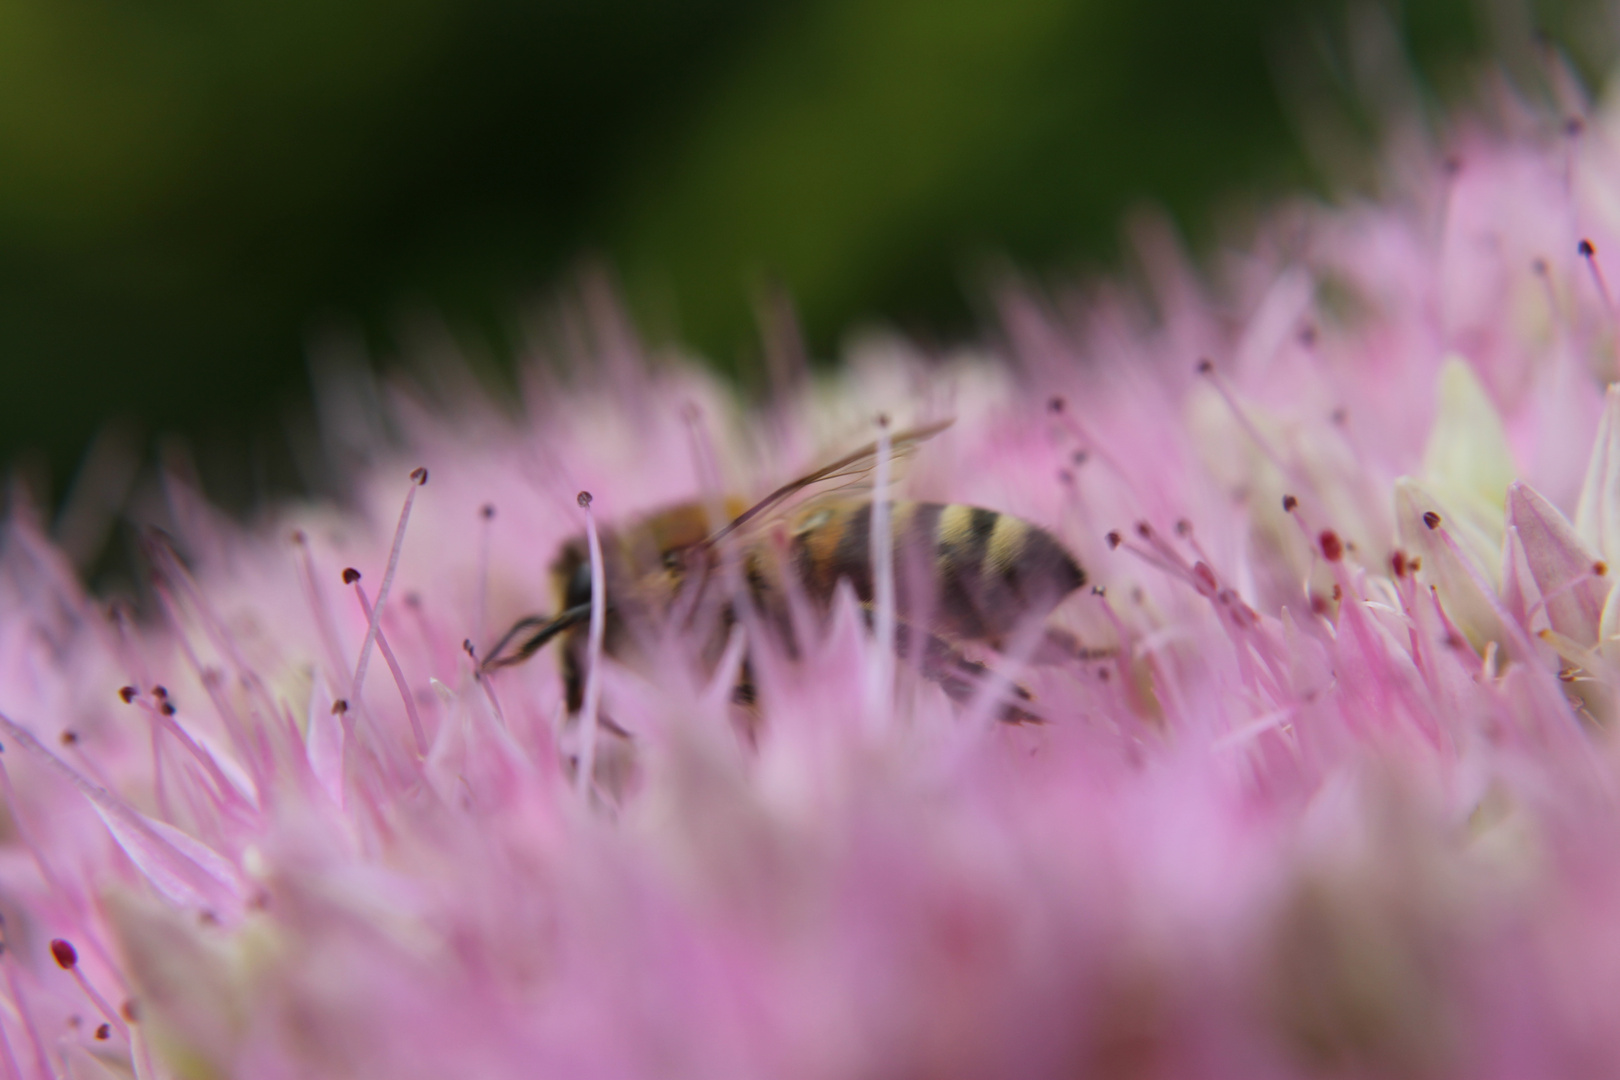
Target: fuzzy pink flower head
[1316, 775]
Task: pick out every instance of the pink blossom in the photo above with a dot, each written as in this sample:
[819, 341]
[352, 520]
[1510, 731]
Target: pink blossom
[1328, 786]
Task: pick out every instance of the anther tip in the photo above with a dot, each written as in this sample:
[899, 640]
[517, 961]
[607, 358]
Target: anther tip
[1431, 519]
[1586, 248]
[67, 957]
[419, 475]
[1290, 504]
[350, 575]
[584, 499]
[1206, 366]
[1332, 546]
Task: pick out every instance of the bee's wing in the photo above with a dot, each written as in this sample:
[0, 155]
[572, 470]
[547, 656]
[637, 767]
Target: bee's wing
[853, 469]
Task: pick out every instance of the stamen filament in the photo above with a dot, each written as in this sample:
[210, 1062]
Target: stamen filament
[880, 691]
[419, 477]
[593, 670]
[417, 730]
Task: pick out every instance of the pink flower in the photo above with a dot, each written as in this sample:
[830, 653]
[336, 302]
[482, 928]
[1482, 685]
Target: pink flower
[1326, 782]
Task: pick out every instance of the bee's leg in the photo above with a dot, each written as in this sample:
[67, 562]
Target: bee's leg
[961, 679]
[543, 630]
[573, 674]
[745, 692]
[745, 698]
[615, 772]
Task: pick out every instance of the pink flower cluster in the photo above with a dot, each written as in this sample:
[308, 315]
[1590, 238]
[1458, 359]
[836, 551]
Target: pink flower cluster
[1331, 788]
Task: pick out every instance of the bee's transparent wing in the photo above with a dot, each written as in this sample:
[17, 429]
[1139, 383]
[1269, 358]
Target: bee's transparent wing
[854, 470]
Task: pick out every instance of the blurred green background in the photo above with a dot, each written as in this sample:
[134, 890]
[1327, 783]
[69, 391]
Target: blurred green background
[191, 190]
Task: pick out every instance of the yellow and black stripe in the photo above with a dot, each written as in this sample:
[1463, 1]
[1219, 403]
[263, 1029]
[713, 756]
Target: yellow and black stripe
[985, 572]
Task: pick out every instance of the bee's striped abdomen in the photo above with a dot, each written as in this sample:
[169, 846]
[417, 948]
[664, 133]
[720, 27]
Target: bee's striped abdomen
[967, 571]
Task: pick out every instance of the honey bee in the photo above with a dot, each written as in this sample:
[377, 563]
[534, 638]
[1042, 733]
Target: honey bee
[963, 574]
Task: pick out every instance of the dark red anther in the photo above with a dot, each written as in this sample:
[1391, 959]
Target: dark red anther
[1338, 593]
[340, 706]
[1207, 585]
[67, 957]
[1114, 539]
[299, 538]
[160, 691]
[1183, 527]
[1144, 530]
[1056, 403]
[1290, 504]
[487, 511]
[1332, 546]
[129, 1011]
[1415, 563]
[104, 1032]
[126, 694]
[584, 499]
[1431, 519]
[69, 737]
[350, 575]
[1600, 568]
[419, 475]
[1586, 249]
[166, 707]
[1319, 604]
[1205, 366]
[1397, 563]
[1098, 590]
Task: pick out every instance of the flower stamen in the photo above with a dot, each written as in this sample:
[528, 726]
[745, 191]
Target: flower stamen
[593, 670]
[419, 477]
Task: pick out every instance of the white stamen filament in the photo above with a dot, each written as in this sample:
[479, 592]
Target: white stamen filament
[881, 689]
[593, 666]
[486, 529]
[101, 1003]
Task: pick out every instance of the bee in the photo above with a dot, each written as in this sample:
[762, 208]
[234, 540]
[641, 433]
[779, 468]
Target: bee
[963, 575]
